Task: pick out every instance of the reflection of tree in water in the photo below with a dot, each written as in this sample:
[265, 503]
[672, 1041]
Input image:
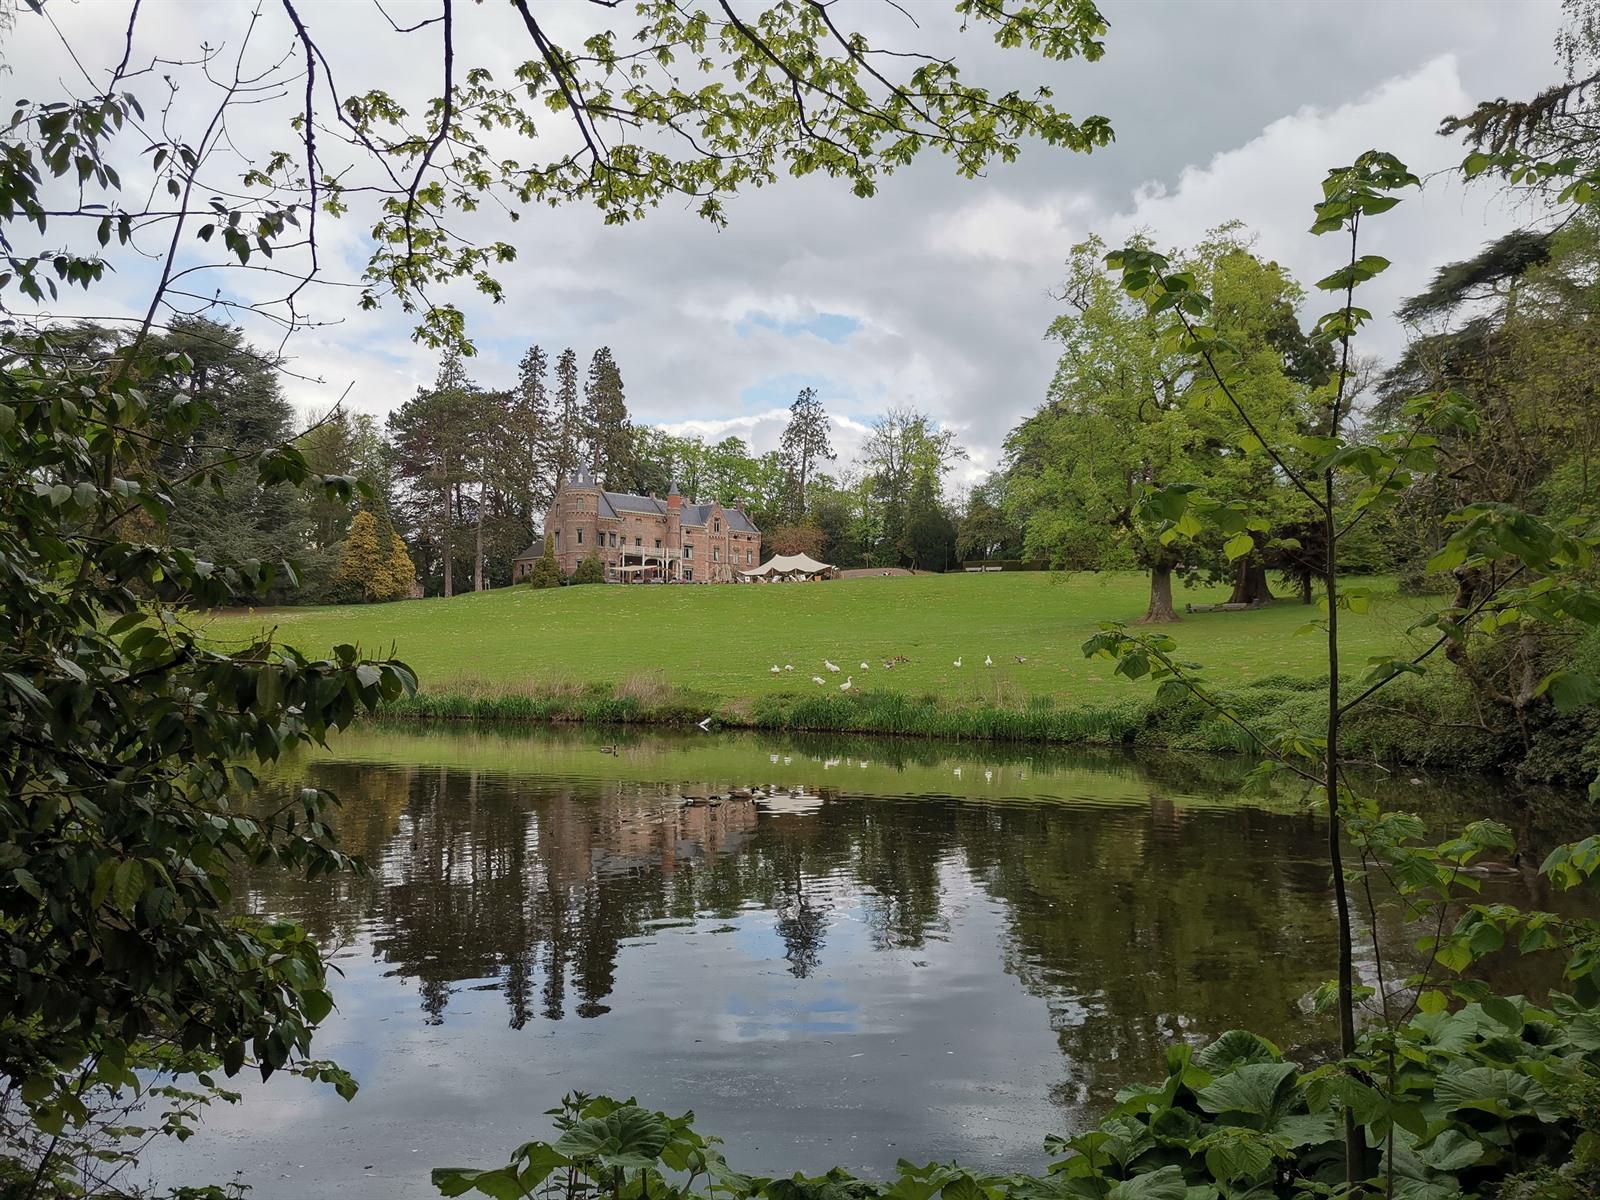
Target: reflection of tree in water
[802, 925]
[1137, 923]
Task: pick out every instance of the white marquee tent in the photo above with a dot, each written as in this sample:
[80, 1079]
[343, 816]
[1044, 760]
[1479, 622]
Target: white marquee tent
[789, 566]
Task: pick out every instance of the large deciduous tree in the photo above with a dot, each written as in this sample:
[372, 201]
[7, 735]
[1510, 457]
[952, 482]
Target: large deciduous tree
[1129, 414]
[907, 454]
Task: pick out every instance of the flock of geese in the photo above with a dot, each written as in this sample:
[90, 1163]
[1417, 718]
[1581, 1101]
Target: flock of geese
[889, 664]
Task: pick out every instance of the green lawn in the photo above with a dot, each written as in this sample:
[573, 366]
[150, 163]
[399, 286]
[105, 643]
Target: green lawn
[723, 640]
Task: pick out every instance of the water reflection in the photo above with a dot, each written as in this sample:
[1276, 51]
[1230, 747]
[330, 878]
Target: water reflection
[908, 950]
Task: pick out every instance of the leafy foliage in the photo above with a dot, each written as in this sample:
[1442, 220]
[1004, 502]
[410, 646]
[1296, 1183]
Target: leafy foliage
[124, 739]
[590, 570]
[1481, 1102]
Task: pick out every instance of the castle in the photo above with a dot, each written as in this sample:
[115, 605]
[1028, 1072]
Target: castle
[642, 538]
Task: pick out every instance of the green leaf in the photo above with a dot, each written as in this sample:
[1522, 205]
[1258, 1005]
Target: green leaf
[1452, 1150]
[1494, 1090]
[630, 1138]
[1236, 1153]
[1433, 1001]
[1233, 1049]
[501, 1184]
[1504, 1011]
[1238, 546]
[1165, 1184]
[1570, 691]
[1256, 1089]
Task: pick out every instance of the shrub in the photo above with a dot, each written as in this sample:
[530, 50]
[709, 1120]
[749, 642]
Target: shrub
[545, 573]
[590, 570]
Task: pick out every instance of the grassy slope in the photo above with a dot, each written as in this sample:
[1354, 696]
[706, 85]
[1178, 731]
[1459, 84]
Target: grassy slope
[721, 641]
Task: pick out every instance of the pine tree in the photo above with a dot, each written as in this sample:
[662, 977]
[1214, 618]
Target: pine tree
[533, 429]
[546, 572]
[805, 442]
[569, 437]
[606, 423]
[433, 435]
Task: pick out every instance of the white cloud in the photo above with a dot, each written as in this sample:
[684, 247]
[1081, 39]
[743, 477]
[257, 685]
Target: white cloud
[949, 278]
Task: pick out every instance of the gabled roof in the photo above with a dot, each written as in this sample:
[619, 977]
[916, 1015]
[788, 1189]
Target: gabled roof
[700, 514]
[628, 502]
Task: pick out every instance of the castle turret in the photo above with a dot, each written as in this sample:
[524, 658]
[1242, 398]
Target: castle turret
[674, 518]
[577, 512]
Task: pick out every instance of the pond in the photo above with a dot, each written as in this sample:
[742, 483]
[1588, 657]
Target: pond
[910, 950]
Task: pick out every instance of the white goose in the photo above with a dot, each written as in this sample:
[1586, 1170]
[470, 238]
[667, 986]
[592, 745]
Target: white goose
[849, 683]
[866, 667]
[958, 663]
[833, 667]
[818, 680]
[987, 661]
[776, 670]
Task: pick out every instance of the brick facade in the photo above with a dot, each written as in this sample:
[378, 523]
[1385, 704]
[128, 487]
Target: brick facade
[643, 537]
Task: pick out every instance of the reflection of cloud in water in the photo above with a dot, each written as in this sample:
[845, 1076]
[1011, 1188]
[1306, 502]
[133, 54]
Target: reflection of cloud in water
[872, 961]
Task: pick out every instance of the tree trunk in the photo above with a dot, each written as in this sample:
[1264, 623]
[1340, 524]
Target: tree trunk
[1161, 611]
[444, 547]
[1306, 596]
[1250, 583]
[477, 554]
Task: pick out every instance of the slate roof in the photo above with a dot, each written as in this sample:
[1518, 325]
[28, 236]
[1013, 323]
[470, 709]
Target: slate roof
[614, 503]
[628, 502]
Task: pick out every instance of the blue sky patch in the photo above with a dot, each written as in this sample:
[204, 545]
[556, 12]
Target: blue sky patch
[835, 328]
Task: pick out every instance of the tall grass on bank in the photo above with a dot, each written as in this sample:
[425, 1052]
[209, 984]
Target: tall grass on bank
[1428, 722]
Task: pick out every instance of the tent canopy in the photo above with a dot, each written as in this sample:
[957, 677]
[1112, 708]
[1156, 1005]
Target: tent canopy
[788, 564]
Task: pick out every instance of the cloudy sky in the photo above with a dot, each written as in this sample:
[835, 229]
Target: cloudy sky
[937, 292]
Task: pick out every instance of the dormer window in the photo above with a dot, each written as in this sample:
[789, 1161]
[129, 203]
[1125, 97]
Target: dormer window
[716, 525]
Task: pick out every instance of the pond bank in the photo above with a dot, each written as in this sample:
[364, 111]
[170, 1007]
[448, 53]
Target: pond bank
[1421, 723]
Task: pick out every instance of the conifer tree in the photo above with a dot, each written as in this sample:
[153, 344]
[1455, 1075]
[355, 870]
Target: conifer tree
[532, 427]
[805, 442]
[569, 437]
[606, 420]
[399, 575]
[546, 572]
[432, 435]
[373, 566]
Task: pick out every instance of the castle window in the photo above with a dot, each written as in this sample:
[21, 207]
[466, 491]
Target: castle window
[613, 537]
[747, 558]
[688, 550]
[716, 554]
[638, 541]
[580, 537]
[658, 543]
[688, 574]
[716, 525]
